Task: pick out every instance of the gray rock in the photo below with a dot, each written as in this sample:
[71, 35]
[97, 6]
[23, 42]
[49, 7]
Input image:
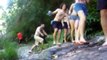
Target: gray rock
[46, 54]
[90, 53]
[67, 51]
[23, 52]
[98, 39]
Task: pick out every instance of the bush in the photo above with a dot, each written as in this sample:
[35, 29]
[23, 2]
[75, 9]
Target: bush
[8, 51]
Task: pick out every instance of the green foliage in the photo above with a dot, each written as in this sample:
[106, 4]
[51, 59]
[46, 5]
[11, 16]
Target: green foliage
[26, 15]
[8, 50]
[2, 56]
[8, 54]
[93, 19]
[11, 53]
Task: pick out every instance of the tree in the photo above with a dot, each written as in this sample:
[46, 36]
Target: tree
[26, 15]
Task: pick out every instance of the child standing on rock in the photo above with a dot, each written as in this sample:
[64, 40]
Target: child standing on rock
[57, 22]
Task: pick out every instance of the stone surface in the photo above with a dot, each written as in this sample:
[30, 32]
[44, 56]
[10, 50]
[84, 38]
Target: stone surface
[67, 51]
[85, 54]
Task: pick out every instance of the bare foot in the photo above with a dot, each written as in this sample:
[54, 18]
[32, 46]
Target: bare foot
[58, 44]
[77, 42]
[72, 41]
[82, 40]
[103, 48]
[54, 42]
[65, 41]
[30, 51]
[104, 44]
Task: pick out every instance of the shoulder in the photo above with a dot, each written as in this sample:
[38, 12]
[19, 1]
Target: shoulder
[38, 28]
[58, 9]
[73, 4]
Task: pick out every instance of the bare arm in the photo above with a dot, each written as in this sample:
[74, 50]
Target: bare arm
[62, 22]
[54, 12]
[44, 32]
[68, 23]
[71, 8]
[67, 20]
[39, 31]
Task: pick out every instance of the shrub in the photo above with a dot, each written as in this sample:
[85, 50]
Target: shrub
[8, 50]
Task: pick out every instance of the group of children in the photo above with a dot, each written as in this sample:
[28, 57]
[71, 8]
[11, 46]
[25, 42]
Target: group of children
[73, 19]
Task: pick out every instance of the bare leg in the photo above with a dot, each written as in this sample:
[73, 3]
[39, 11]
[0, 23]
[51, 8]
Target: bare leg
[54, 35]
[59, 35]
[65, 34]
[36, 44]
[82, 25]
[37, 41]
[104, 23]
[33, 47]
[77, 31]
[72, 29]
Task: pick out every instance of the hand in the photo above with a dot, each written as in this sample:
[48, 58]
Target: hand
[52, 22]
[49, 13]
[42, 34]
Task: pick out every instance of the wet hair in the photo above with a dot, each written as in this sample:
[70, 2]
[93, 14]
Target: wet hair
[62, 5]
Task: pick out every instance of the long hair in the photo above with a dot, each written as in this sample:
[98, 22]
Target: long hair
[62, 5]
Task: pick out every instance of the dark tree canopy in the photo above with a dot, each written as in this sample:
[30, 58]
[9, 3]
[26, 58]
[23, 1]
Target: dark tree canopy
[26, 15]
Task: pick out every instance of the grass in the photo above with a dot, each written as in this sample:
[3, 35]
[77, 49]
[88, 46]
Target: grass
[8, 50]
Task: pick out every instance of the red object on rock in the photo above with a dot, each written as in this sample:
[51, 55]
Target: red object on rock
[20, 36]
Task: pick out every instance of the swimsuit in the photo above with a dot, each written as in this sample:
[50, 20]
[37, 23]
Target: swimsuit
[80, 6]
[56, 24]
[73, 17]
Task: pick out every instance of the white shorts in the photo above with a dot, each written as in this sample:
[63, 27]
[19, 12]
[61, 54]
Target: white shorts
[38, 39]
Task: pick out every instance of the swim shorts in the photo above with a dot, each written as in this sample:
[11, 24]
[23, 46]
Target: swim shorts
[65, 25]
[102, 4]
[56, 24]
[73, 17]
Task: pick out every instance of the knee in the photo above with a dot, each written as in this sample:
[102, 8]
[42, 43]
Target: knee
[36, 43]
[41, 40]
[65, 30]
[59, 31]
[103, 13]
[76, 27]
[72, 29]
[55, 30]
